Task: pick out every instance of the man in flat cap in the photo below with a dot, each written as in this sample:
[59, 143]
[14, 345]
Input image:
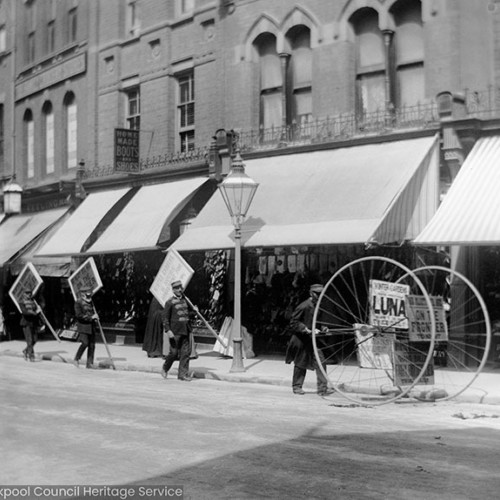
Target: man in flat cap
[300, 349]
[177, 326]
[86, 318]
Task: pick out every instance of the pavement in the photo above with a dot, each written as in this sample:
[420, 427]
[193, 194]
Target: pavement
[263, 369]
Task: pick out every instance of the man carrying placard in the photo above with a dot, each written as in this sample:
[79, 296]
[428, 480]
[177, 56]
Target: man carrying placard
[86, 318]
[30, 311]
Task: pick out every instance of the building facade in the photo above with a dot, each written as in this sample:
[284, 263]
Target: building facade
[284, 78]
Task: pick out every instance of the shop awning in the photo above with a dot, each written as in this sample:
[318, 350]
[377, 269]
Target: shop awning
[140, 225]
[71, 237]
[376, 193]
[55, 267]
[469, 212]
[17, 231]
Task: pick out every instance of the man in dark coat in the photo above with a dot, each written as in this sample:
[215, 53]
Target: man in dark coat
[30, 311]
[153, 335]
[177, 326]
[86, 318]
[300, 349]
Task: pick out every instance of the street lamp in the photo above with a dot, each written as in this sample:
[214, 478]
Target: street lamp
[237, 190]
[12, 194]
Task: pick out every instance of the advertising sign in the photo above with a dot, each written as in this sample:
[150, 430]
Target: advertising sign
[408, 363]
[387, 304]
[420, 321]
[28, 279]
[126, 150]
[374, 351]
[86, 276]
[173, 268]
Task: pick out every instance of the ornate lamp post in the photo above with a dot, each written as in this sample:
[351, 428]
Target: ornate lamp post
[237, 190]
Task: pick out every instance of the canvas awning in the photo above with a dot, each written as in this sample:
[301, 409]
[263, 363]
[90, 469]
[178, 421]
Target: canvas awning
[468, 214]
[140, 225]
[55, 267]
[17, 231]
[74, 233]
[376, 193]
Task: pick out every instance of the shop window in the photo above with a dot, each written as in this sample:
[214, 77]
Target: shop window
[71, 130]
[29, 136]
[133, 109]
[185, 110]
[48, 122]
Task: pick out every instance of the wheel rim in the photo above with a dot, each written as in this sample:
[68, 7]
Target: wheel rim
[355, 333]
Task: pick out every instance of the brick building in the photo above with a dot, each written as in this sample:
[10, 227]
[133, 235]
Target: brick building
[300, 85]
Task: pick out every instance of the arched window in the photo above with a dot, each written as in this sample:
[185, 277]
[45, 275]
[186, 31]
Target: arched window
[409, 52]
[71, 130]
[370, 61]
[300, 75]
[49, 143]
[271, 81]
[29, 134]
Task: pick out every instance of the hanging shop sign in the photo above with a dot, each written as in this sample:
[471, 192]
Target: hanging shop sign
[420, 326]
[28, 279]
[86, 276]
[173, 268]
[126, 150]
[387, 304]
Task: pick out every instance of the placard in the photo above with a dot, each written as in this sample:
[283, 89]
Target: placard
[28, 279]
[374, 351]
[126, 150]
[408, 363]
[419, 316]
[173, 268]
[387, 304]
[86, 276]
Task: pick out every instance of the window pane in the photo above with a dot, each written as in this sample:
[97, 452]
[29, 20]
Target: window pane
[301, 59]
[72, 131]
[372, 92]
[409, 38]
[369, 40]
[272, 110]
[49, 143]
[303, 106]
[30, 154]
[411, 84]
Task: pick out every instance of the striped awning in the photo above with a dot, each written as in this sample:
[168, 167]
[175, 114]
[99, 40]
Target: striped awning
[469, 212]
[374, 193]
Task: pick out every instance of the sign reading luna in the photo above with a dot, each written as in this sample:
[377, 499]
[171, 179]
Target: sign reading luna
[387, 304]
[126, 150]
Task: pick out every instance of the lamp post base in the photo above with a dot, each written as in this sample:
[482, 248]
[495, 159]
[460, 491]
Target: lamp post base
[237, 366]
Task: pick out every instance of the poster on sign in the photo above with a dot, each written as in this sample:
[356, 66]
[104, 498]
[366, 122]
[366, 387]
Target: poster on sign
[373, 351]
[86, 276]
[419, 318]
[387, 304]
[173, 268]
[28, 279]
[409, 360]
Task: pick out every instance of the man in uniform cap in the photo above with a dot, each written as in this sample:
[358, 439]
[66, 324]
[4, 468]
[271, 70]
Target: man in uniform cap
[30, 311]
[177, 326]
[86, 318]
[300, 348]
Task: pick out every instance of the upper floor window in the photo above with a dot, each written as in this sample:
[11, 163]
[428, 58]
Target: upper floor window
[370, 62]
[132, 18]
[3, 38]
[71, 116]
[51, 37]
[271, 81]
[31, 31]
[185, 109]
[72, 24]
[409, 53]
[48, 128]
[134, 109]
[299, 76]
[29, 135]
[185, 6]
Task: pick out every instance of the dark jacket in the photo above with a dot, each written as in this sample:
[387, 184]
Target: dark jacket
[83, 313]
[29, 314]
[176, 316]
[300, 349]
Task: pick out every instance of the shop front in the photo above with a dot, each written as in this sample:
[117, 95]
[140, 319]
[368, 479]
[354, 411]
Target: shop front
[313, 213]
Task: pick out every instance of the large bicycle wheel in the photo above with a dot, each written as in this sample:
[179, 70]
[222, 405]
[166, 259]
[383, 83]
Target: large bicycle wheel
[463, 333]
[362, 338]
